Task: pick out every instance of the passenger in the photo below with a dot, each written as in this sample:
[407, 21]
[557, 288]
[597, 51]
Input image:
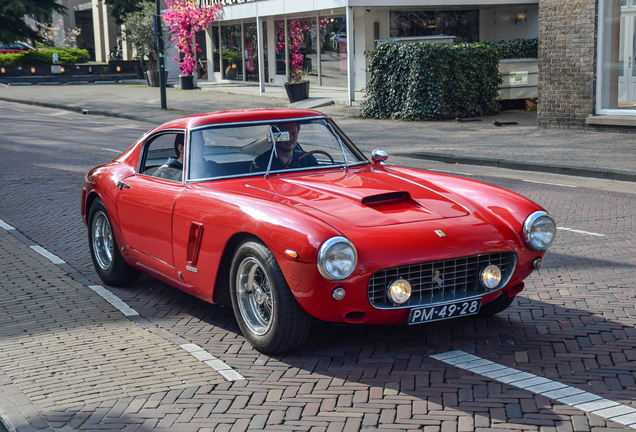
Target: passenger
[287, 152]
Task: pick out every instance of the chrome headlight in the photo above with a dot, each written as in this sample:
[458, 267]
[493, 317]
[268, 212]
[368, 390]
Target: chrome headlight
[490, 276]
[399, 291]
[337, 258]
[539, 231]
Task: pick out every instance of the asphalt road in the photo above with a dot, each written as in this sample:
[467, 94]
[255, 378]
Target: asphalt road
[574, 323]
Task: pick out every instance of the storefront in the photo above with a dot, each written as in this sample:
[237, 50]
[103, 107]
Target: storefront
[328, 44]
[587, 64]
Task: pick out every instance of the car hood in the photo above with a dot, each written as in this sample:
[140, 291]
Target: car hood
[366, 198]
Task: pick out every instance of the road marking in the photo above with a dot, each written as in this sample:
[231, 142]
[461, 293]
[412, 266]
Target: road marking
[46, 254]
[552, 184]
[562, 393]
[111, 150]
[218, 365]
[5, 226]
[93, 122]
[196, 351]
[451, 172]
[581, 232]
[111, 298]
[15, 109]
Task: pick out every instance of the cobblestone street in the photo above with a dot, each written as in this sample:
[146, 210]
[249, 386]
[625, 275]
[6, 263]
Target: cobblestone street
[71, 361]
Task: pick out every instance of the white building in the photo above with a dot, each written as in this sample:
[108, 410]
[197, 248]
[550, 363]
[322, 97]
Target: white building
[323, 33]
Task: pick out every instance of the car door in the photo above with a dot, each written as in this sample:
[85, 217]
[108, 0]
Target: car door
[146, 202]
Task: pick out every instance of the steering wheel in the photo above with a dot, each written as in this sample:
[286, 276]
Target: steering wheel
[317, 151]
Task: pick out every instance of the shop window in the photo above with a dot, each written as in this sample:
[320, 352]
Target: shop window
[232, 52]
[463, 24]
[280, 47]
[617, 57]
[333, 54]
[214, 30]
[251, 51]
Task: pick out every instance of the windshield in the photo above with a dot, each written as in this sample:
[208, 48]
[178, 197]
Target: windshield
[240, 150]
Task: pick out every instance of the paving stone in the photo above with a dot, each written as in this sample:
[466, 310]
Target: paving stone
[572, 324]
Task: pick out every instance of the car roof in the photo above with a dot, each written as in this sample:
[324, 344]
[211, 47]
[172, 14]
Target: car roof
[238, 116]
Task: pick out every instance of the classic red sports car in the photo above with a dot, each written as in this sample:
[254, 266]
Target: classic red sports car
[15, 47]
[277, 212]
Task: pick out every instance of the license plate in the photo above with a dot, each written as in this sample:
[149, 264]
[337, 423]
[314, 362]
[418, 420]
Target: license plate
[444, 311]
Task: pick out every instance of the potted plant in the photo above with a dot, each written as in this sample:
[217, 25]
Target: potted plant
[139, 30]
[185, 18]
[297, 87]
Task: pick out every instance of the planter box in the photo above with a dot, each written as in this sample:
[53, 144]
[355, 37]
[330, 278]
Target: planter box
[519, 79]
[125, 66]
[187, 82]
[50, 70]
[297, 91]
[153, 78]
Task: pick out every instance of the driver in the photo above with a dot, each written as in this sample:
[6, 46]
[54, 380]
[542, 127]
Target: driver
[287, 152]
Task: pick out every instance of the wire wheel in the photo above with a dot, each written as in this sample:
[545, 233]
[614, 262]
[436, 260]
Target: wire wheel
[254, 295]
[103, 243]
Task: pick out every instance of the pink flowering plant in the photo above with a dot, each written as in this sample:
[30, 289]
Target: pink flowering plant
[296, 33]
[185, 18]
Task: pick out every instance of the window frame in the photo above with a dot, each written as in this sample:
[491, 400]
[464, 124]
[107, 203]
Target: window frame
[346, 141]
[600, 75]
[144, 151]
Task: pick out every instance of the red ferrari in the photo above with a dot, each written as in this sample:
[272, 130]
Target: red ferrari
[15, 47]
[278, 213]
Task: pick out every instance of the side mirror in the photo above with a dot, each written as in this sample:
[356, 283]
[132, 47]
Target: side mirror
[379, 156]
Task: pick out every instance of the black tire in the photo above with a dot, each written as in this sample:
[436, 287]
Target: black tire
[269, 316]
[499, 304]
[107, 260]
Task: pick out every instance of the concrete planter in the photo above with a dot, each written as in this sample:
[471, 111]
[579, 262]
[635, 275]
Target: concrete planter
[519, 79]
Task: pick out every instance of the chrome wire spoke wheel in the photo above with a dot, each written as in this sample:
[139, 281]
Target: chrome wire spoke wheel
[103, 242]
[254, 295]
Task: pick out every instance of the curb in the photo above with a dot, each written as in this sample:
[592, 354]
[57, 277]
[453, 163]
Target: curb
[79, 110]
[525, 166]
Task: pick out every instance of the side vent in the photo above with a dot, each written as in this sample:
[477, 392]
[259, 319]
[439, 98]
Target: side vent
[386, 198]
[194, 243]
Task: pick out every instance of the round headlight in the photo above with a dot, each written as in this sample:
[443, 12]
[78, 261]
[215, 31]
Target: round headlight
[399, 291]
[490, 276]
[337, 258]
[539, 231]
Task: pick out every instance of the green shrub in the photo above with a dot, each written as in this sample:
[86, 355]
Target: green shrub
[432, 81]
[66, 56]
[516, 48]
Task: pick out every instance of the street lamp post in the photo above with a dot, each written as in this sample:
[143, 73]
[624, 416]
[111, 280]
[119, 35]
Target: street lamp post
[162, 66]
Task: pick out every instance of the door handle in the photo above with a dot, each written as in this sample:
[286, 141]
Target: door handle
[121, 185]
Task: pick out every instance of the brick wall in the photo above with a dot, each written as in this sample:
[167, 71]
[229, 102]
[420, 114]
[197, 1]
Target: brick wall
[567, 62]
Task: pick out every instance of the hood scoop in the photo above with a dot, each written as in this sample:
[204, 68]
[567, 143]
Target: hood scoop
[366, 199]
[386, 198]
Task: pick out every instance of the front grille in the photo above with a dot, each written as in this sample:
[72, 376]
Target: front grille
[440, 281]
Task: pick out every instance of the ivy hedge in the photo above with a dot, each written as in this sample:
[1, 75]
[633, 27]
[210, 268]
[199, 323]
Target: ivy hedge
[516, 48]
[423, 81]
[66, 56]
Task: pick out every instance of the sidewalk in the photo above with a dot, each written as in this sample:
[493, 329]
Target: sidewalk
[519, 146]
